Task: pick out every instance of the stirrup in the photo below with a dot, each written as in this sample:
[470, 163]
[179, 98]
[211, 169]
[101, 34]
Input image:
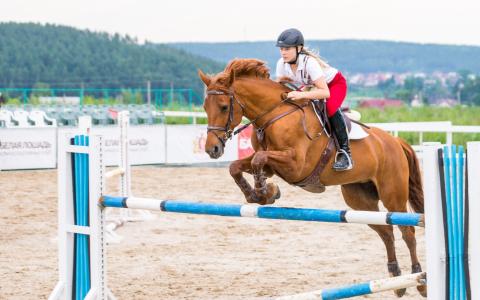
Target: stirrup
[349, 159]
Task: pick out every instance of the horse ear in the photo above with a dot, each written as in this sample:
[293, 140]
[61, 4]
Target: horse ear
[205, 78]
[231, 78]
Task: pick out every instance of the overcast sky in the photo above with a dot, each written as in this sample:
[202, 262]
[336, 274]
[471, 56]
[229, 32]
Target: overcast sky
[424, 21]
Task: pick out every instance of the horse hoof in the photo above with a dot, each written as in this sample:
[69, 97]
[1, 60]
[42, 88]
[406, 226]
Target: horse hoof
[394, 270]
[272, 194]
[400, 292]
[422, 289]
[278, 194]
[274, 191]
[253, 199]
[272, 187]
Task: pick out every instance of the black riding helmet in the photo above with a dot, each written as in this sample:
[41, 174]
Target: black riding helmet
[291, 38]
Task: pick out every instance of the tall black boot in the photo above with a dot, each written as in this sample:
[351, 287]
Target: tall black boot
[343, 158]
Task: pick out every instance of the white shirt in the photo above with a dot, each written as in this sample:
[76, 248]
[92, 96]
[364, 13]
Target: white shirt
[308, 70]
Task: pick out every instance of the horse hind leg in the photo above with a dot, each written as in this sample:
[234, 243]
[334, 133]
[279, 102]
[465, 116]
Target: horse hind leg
[394, 198]
[408, 235]
[364, 196]
[386, 234]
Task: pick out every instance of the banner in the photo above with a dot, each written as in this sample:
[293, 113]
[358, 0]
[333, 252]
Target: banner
[146, 143]
[244, 143]
[35, 148]
[186, 145]
[28, 148]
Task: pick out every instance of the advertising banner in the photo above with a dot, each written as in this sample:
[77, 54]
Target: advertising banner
[28, 148]
[146, 144]
[186, 145]
[244, 143]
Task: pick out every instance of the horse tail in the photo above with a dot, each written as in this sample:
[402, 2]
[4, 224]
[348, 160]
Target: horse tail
[415, 189]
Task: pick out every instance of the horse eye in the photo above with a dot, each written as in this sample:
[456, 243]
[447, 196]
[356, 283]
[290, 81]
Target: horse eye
[224, 108]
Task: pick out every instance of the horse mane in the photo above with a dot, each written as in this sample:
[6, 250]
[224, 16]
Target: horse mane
[243, 67]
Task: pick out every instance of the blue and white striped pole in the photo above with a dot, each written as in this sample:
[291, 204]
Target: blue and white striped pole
[374, 286]
[267, 212]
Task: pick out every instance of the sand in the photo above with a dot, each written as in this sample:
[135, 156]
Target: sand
[177, 256]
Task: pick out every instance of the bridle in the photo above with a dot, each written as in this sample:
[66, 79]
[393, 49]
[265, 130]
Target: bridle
[229, 133]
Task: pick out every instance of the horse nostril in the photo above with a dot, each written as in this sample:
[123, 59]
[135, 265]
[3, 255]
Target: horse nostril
[216, 149]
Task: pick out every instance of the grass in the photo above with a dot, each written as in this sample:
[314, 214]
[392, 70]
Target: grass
[458, 115]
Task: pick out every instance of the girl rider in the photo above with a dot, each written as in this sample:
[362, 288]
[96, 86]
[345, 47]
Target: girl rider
[307, 70]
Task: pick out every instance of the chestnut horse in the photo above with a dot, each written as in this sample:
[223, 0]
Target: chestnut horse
[386, 168]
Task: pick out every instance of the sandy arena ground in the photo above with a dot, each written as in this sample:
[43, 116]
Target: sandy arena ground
[180, 256]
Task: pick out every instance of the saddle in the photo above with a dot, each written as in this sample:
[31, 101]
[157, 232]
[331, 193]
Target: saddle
[312, 182]
[320, 109]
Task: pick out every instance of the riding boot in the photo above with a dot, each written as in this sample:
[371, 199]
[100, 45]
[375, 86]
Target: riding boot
[343, 158]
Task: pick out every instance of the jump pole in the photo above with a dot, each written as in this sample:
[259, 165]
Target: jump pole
[266, 212]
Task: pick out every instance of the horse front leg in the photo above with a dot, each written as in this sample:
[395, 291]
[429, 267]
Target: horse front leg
[263, 163]
[236, 171]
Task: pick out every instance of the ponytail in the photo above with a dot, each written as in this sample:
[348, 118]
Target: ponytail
[316, 56]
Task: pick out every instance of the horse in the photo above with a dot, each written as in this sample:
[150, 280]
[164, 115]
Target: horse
[386, 167]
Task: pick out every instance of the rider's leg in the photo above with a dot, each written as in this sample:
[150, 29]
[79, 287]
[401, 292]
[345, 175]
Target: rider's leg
[343, 159]
[338, 92]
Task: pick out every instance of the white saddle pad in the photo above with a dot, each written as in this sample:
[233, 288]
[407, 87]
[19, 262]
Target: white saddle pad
[357, 132]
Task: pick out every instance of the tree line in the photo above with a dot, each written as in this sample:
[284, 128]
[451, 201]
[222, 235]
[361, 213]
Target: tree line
[59, 56]
[354, 56]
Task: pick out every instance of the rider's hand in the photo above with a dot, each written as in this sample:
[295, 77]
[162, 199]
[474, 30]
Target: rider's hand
[295, 95]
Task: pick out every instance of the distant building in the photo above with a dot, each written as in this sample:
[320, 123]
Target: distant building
[416, 101]
[381, 103]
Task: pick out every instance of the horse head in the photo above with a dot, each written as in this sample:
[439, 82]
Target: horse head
[224, 113]
[224, 110]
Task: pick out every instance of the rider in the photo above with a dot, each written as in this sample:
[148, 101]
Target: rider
[306, 69]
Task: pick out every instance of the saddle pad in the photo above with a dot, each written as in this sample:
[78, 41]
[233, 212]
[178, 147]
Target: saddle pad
[357, 132]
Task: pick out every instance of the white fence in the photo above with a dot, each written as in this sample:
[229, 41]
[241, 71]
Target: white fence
[35, 148]
[395, 127]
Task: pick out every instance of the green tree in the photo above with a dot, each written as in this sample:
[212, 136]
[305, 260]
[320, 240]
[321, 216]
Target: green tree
[388, 87]
[412, 86]
[470, 93]
[66, 57]
[404, 94]
[435, 90]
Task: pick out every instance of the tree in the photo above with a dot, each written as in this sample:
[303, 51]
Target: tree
[387, 87]
[470, 93]
[412, 86]
[65, 57]
[435, 90]
[404, 95]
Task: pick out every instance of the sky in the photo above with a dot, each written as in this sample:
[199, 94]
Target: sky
[421, 21]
